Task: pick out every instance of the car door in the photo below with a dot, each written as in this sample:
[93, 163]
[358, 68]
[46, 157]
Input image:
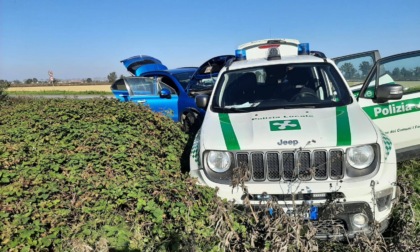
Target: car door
[356, 67]
[119, 89]
[399, 119]
[152, 92]
[137, 65]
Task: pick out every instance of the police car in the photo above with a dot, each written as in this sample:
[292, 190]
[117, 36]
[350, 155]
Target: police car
[284, 119]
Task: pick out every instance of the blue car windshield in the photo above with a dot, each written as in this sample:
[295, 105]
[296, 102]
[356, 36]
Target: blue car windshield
[184, 78]
[280, 86]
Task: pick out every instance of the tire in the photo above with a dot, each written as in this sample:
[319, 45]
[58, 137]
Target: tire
[190, 122]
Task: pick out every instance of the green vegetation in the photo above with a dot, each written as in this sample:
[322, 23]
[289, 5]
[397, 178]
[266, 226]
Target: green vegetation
[398, 74]
[74, 172]
[404, 231]
[98, 174]
[3, 87]
[112, 77]
[410, 90]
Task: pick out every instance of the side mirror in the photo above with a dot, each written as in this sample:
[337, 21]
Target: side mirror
[387, 92]
[165, 93]
[202, 101]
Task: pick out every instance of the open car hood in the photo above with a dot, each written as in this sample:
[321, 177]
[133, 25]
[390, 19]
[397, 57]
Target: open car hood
[208, 71]
[137, 65]
[212, 66]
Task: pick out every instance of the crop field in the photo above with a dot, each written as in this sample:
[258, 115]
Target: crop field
[102, 175]
[407, 84]
[81, 88]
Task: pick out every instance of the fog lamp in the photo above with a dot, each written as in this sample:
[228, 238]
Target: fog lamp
[263, 197]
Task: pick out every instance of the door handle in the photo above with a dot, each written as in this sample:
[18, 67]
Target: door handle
[141, 101]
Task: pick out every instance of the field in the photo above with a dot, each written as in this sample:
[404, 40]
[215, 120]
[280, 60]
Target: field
[407, 84]
[78, 88]
[106, 88]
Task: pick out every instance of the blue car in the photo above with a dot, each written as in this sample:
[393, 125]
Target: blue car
[166, 91]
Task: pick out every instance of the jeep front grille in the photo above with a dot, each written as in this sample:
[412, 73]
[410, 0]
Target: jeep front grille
[302, 165]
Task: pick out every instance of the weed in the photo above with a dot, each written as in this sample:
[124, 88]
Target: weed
[101, 175]
[4, 85]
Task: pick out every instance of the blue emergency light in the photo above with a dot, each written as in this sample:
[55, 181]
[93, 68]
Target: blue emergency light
[270, 49]
[240, 54]
[303, 49]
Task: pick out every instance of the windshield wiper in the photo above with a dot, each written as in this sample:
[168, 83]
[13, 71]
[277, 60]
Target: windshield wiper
[232, 109]
[302, 105]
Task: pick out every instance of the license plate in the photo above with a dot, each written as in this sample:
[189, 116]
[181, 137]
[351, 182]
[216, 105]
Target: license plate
[311, 214]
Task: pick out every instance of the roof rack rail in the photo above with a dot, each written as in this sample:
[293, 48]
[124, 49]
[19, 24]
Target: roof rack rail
[318, 54]
[229, 62]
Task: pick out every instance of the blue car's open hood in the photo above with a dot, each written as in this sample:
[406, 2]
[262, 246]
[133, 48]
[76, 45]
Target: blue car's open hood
[140, 64]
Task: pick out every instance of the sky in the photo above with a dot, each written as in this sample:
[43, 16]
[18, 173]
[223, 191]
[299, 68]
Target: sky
[79, 39]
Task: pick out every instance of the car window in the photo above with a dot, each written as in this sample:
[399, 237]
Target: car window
[162, 85]
[281, 86]
[141, 85]
[355, 71]
[404, 71]
[184, 78]
[356, 67]
[119, 85]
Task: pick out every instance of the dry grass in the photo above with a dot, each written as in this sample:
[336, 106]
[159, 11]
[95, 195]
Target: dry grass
[99, 88]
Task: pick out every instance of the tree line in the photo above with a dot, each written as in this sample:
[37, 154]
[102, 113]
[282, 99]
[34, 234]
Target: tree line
[398, 74]
[112, 77]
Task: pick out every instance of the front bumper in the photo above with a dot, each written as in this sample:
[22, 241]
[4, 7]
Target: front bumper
[359, 196]
[334, 221]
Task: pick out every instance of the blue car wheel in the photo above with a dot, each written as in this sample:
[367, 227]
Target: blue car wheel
[190, 122]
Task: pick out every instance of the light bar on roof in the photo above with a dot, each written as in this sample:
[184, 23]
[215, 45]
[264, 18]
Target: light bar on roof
[264, 49]
[240, 54]
[303, 49]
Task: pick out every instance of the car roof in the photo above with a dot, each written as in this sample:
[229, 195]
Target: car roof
[284, 60]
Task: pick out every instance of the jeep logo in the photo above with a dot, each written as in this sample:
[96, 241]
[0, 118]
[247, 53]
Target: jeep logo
[287, 142]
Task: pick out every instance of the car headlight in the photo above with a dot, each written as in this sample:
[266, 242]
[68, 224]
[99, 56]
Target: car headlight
[218, 161]
[360, 157]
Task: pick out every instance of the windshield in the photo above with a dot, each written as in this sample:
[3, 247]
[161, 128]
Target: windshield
[184, 78]
[280, 86]
[203, 83]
